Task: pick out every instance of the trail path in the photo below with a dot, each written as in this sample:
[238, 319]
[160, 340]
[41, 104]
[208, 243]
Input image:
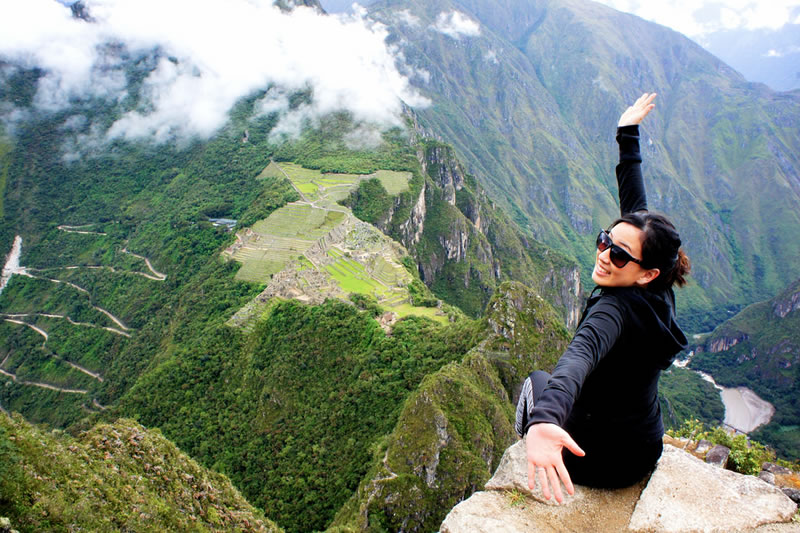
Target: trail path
[76, 229]
[42, 385]
[158, 275]
[42, 332]
[81, 289]
[68, 319]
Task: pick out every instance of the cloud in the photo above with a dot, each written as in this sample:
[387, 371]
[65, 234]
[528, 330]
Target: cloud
[210, 55]
[405, 17]
[456, 25]
[789, 50]
[699, 18]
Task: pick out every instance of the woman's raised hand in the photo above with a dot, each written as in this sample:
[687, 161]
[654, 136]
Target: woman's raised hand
[636, 113]
[544, 443]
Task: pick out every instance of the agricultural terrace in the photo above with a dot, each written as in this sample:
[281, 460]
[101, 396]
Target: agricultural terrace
[328, 189]
[285, 235]
[356, 258]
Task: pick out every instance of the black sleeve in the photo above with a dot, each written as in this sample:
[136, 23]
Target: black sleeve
[632, 196]
[596, 335]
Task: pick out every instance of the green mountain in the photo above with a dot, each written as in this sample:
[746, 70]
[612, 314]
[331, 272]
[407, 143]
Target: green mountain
[758, 348]
[530, 106]
[132, 300]
[117, 477]
[293, 314]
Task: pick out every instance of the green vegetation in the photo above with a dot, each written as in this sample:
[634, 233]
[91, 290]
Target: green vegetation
[685, 395]
[720, 155]
[454, 428]
[293, 407]
[747, 456]
[761, 354]
[117, 477]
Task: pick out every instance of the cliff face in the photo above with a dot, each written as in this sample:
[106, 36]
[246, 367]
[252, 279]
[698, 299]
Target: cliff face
[464, 245]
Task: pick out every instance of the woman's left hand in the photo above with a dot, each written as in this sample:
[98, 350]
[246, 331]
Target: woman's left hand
[544, 443]
[636, 113]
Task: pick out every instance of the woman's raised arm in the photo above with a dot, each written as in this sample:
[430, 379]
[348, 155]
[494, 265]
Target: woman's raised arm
[632, 195]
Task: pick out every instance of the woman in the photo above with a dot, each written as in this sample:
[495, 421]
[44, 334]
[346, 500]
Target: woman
[601, 402]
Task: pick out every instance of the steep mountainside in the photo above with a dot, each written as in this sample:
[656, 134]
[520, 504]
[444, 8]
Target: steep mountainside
[530, 104]
[760, 348]
[117, 477]
[123, 302]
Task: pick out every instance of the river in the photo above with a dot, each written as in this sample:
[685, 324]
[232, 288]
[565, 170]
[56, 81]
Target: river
[744, 409]
[12, 263]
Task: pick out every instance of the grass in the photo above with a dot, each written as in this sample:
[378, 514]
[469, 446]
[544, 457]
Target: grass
[394, 182]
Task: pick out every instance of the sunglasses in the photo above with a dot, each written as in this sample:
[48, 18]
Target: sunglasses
[618, 256]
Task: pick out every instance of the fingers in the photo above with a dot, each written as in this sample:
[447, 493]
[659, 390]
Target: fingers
[572, 446]
[545, 485]
[531, 476]
[553, 477]
[565, 479]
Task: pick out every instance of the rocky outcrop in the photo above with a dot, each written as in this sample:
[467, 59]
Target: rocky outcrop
[412, 228]
[790, 302]
[684, 494]
[722, 344]
[442, 166]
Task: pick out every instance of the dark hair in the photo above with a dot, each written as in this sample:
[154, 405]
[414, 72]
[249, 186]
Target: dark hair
[661, 248]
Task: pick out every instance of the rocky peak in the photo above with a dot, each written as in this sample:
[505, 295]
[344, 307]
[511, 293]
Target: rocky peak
[684, 494]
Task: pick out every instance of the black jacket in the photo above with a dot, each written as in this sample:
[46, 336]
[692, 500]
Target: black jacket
[606, 382]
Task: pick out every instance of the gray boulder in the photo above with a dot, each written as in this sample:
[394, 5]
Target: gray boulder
[683, 495]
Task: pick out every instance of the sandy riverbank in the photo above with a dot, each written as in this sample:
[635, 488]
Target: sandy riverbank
[744, 410]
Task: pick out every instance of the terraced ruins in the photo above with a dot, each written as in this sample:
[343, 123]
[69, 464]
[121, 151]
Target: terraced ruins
[315, 248]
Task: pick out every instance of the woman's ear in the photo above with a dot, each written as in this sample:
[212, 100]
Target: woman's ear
[649, 275]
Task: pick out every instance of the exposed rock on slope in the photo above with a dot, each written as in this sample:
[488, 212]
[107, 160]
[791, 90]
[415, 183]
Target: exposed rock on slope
[683, 495]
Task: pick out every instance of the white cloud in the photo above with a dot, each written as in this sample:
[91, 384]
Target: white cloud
[456, 25]
[697, 18]
[212, 56]
[491, 57]
[405, 17]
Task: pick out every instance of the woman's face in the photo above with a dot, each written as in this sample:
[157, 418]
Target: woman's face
[606, 274]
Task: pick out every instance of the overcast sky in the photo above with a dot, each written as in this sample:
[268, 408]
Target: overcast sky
[698, 18]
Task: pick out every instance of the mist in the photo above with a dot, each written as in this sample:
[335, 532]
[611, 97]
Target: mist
[209, 56]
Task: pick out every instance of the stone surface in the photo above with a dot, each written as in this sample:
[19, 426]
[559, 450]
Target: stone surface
[794, 494]
[684, 494]
[775, 469]
[509, 506]
[718, 456]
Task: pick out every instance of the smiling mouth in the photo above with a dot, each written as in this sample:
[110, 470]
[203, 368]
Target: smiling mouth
[600, 270]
